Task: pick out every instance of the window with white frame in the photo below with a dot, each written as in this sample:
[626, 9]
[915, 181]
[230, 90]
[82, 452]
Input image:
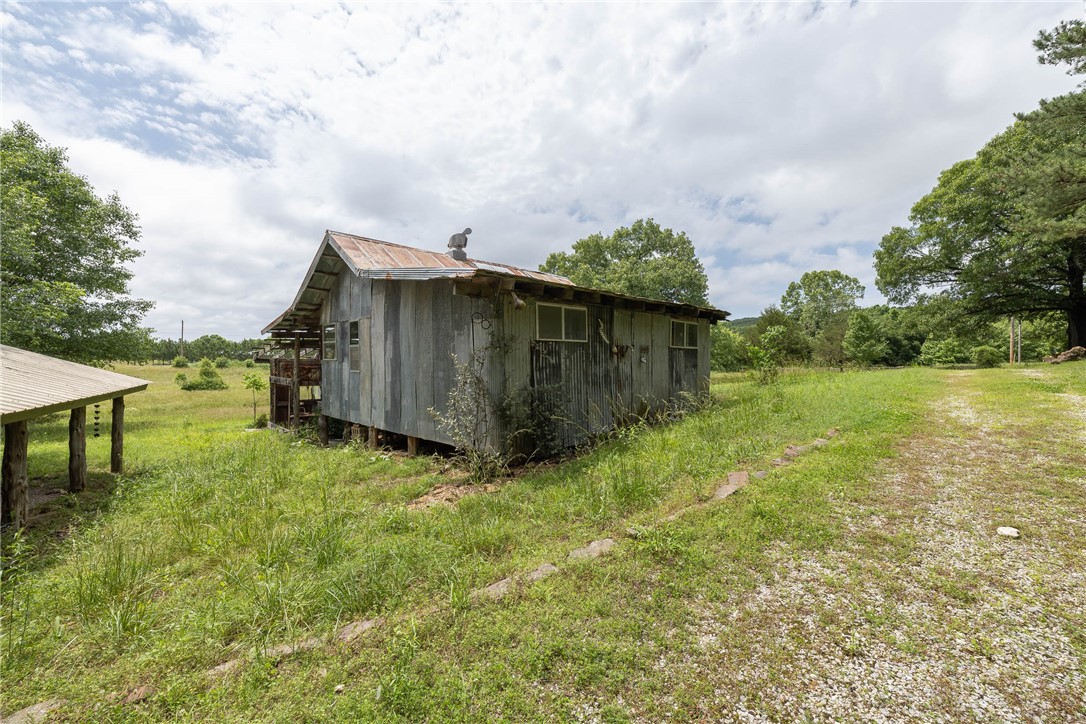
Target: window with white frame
[684, 335]
[329, 351]
[559, 323]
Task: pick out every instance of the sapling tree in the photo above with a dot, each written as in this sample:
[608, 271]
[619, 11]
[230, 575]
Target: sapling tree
[256, 382]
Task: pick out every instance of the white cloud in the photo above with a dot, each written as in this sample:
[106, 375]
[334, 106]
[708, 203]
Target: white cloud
[780, 137]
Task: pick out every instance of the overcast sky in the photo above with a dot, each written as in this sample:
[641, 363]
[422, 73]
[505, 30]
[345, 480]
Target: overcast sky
[780, 137]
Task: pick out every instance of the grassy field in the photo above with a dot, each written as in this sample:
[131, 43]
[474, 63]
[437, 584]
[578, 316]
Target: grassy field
[862, 581]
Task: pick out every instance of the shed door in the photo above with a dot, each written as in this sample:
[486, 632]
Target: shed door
[559, 375]
[683, 366]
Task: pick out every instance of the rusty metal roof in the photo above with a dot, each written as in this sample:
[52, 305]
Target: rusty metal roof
[376, 259]
[382, 259]
[33, 384]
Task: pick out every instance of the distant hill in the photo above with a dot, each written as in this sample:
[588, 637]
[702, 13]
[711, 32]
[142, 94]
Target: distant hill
[742, 323]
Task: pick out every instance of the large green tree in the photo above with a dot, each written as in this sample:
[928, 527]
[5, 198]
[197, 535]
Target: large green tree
[819, 297]
[643, 260]
[1004, 233]
[63, 275]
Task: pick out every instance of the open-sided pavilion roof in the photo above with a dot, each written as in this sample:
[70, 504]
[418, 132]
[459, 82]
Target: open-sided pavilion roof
[32, 385]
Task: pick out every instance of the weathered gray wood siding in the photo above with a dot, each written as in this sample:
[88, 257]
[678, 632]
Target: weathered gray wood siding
[627, 366]
[408, 333]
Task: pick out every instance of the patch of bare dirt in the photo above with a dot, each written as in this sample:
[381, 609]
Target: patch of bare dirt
[449, 494]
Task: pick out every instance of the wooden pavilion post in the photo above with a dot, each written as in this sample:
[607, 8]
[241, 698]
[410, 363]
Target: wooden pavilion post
[116, 437]
[322, 430]
[14, 474]
[296, 385]
[77, 449]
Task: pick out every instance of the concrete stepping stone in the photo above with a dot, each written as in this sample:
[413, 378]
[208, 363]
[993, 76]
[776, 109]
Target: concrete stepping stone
[736, 481]
[542, 572]
[350, 632]
[224, 668]
[833, 432]
[780, 462]
[595, 549]
[760, 474]
[819, 442]
[33, 713]
[281, 650]
[138, 694]
[1008, 532]
[794, 451]
[495, 591]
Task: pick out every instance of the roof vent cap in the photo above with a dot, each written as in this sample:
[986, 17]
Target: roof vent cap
[457, 242]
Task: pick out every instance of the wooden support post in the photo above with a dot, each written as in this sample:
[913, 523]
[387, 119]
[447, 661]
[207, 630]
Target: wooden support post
[373, 437]
[77, 450]
[356, 433]
[14, 475]
[116, 437]
[1011, 355]
[412, 446]
[322, 430]
[296, 386]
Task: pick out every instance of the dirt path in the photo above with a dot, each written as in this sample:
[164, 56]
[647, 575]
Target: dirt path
[928, 614]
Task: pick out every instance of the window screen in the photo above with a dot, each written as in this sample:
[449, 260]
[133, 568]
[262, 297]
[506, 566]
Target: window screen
[678, 334]
[329, 341]
[561, 324]
[576, 325]
[684, 335]
[550, 322]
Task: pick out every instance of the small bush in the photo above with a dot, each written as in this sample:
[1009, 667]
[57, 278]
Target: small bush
[942, 352]
[986, 356]
[222, 362]
[262, 420]
[180, 361]
[208, 379]
[250, 364]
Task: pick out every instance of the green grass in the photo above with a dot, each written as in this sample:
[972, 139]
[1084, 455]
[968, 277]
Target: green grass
[219, 543]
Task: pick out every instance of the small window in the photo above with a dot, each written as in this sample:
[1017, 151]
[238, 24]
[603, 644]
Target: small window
[354, 334]
[561, 324]
[684, 335]
[329, 341]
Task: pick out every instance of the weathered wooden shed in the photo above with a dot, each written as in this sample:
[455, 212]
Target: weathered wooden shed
[33, 385]
[390, 323]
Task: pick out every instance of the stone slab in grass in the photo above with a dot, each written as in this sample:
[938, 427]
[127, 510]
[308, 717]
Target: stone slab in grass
[760, 474]
[224, 668]
[350, 632]
[139, 694]
[780, 462]
[819, 442]
[33, 713]
[794, 451]
[741, 477]
[736, 481]
[495, 591]
[281, 650]
[595, 549]
[542, 572]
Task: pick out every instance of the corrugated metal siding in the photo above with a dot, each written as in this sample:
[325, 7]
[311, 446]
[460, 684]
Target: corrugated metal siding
[33, 384]
[410, 330]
